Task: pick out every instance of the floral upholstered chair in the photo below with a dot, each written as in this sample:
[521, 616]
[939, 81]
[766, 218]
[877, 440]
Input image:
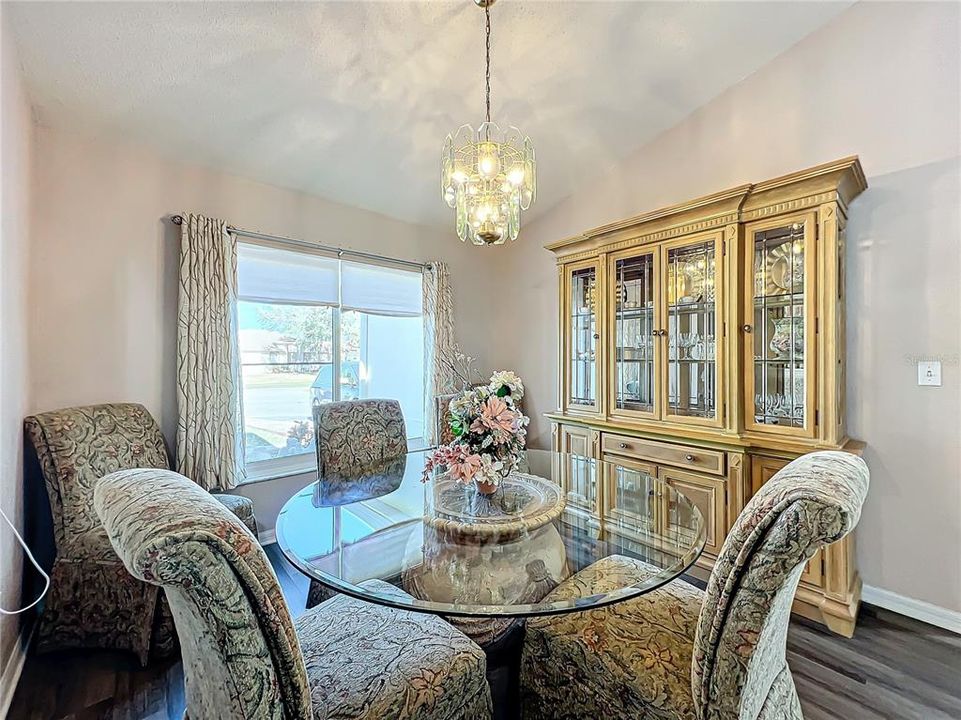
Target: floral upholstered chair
[355, 434]
[353, 439]
[243, 655]
[443, 432]
[93, 601]
[679, 653]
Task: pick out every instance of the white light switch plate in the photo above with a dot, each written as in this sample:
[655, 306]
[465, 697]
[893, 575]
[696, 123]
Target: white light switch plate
[929, 372]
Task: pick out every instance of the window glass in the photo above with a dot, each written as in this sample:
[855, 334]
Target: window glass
[286, 354]
[300, 346]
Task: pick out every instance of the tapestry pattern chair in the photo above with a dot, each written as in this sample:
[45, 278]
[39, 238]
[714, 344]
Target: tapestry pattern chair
[94, 602]
[244, 657]
[680, 653]
[354, 438]
[443, 431]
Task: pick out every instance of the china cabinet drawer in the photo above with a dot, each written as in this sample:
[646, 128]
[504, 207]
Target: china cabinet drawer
[684, 456]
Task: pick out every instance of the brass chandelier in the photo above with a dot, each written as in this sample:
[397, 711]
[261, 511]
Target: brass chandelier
[487, 175]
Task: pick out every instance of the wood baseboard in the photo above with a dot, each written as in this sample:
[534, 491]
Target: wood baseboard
[918, 609]
[10, 677]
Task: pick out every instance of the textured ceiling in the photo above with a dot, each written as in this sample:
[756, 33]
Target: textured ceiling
[352, 100]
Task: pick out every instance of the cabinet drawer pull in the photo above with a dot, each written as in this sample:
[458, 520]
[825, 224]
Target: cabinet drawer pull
[746, 328]
[596, 336]
[690, 458]
[623, 446]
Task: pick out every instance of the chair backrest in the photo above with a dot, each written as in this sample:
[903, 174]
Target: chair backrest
[357, 434]
[78, 446]
[240, 652]
[740, 644]
[443, 432]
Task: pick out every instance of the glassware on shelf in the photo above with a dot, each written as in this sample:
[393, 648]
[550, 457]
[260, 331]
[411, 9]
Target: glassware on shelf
[692, 317]
[788, 338]
[634, 333]
[583, 335]
[779, 325]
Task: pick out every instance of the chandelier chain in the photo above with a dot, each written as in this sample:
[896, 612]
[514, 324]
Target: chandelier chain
[487, 77]
[487, 173]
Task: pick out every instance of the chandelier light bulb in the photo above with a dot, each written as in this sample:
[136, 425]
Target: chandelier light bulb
[515, 176]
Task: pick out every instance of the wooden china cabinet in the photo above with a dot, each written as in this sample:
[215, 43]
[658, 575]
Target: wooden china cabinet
[704, 343]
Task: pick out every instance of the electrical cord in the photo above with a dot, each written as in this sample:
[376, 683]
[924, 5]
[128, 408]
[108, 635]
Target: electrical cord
[33, 560]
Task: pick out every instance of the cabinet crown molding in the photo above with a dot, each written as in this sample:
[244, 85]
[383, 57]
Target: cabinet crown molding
[839, 181]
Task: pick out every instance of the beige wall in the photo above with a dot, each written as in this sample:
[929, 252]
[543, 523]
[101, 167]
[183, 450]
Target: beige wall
[103, 271]
[881, 81]
[15, 147]
[104, 268]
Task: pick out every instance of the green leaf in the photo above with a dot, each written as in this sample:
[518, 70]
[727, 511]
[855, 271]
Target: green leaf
[504, 390]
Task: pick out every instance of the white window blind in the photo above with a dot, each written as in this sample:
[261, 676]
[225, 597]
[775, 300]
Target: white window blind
[270, 274]
[381, 290]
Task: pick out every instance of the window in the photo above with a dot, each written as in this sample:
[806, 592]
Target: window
[314, 329]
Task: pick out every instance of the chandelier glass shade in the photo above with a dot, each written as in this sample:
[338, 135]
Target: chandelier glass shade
[488, 175]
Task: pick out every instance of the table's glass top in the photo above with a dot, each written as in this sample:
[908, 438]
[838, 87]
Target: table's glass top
[460, 553]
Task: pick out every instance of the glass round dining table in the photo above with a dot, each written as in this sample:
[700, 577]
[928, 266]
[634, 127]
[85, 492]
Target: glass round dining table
[461, 554]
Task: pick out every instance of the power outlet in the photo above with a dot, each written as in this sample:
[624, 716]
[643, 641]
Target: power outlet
[929, 373]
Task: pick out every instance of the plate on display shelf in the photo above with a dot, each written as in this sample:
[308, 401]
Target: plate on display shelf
[782, 275]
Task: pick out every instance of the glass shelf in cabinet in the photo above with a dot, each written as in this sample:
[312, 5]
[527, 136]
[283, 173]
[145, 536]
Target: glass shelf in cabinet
[779, 300]
[692, 307]
[635, 313]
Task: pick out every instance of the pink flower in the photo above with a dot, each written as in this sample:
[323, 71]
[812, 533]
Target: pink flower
[458, 459]
[494, 416]
[465, 469]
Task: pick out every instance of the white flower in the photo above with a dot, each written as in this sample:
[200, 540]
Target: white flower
[461, 404]
[509, 379]
[490, 469]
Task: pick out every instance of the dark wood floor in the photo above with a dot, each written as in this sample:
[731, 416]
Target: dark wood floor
[894, 668]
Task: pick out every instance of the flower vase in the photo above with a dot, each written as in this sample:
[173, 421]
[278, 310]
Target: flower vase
[788, 338]
[485, 487]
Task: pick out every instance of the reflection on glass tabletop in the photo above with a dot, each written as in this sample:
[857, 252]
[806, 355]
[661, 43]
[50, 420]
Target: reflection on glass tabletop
[461, 553]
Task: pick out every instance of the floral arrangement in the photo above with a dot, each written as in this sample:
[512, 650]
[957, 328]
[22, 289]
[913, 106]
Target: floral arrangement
[490, 433]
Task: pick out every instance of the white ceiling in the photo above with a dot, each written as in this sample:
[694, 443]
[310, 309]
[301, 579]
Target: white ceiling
[352, 100]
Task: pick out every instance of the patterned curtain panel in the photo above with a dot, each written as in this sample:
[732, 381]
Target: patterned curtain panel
[438, 342]
[209, 437]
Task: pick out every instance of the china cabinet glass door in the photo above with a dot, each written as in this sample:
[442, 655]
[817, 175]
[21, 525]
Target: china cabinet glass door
[693, 322]
[583, 338]
[633, 496]
[635, 332]
[779, 335]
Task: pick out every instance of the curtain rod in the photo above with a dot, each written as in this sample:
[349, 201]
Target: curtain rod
[178, 220]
